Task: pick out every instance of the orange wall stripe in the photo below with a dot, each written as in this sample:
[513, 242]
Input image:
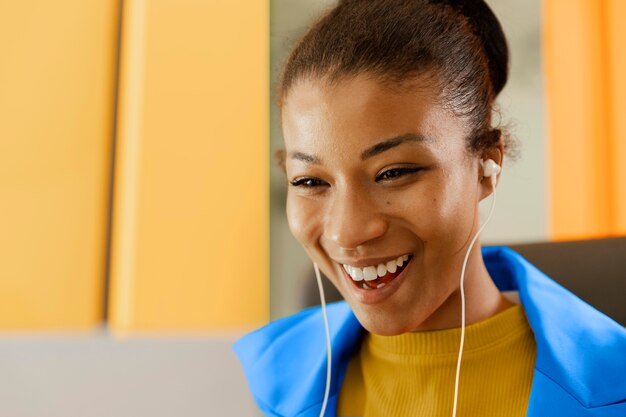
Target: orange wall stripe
[578, 101]
[57, 77]
[616, 30]
[190, 223]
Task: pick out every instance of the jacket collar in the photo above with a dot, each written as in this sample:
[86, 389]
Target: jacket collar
[285, 361]
[578, 348]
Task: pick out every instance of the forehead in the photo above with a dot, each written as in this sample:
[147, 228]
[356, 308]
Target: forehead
[356, 112]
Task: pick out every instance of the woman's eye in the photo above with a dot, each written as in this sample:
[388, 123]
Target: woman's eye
[393, 173]
[307, 182]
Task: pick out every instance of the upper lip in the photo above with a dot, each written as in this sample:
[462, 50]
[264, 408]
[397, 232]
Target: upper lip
[363, 262]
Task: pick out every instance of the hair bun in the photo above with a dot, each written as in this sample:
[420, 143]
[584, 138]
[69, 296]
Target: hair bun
[489, 31]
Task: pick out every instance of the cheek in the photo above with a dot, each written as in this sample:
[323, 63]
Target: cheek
[304, 219]
[458, 209]
[437, 210]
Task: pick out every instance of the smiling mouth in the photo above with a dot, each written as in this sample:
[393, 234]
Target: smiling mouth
[375, 277]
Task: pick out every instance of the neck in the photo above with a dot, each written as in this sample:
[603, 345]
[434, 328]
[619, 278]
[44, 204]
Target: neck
[482, 299]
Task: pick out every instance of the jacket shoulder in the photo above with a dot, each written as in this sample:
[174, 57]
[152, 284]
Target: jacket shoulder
[579, 349]
[285, 361]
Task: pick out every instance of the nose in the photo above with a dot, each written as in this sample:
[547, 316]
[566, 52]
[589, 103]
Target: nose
[353, 219]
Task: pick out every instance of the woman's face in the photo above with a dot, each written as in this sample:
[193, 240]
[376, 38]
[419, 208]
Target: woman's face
[377, 176]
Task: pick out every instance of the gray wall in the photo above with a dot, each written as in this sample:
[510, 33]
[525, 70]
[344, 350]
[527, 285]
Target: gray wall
[92, 374]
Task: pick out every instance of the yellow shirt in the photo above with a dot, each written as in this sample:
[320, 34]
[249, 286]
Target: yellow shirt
[413, 374]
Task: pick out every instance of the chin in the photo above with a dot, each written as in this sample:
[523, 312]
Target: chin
[382, 323]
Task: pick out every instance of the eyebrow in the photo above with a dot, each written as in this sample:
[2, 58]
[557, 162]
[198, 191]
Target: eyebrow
[392, 143]
[370, 152]
[301, 156]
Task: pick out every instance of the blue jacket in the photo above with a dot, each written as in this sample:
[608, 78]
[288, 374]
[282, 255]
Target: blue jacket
[580, 367]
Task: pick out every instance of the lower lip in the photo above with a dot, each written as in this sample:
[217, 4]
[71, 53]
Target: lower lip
[378, 295]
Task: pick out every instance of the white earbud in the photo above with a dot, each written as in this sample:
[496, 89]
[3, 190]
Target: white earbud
[490, 169]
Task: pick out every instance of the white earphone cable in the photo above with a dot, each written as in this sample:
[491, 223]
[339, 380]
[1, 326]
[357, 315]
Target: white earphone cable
[328, 347]
[458, 363]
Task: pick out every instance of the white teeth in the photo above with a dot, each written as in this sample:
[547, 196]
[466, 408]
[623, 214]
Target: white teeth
[357, 274]
[381, 270]
[365, 287]
[380, 285]
[370, 273]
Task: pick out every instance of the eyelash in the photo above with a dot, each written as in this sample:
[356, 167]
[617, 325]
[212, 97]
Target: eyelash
[301, 182]
[400, 172]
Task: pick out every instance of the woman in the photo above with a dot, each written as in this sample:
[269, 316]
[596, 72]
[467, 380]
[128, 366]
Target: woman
[389, 148]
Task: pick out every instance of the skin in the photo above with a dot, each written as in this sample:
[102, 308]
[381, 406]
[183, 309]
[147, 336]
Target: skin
[345, 210]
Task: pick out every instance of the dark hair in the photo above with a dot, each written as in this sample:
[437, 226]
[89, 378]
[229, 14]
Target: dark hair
[456, 44]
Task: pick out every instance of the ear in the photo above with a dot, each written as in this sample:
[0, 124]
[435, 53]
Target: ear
[279, 159]
[495, 152]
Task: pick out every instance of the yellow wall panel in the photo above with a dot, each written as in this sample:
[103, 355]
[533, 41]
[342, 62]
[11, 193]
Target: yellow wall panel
[190, 222]
[574, 55]
[57, 78]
